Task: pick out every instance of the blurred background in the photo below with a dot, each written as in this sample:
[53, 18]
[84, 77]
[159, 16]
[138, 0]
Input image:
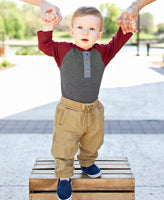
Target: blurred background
[19, 23]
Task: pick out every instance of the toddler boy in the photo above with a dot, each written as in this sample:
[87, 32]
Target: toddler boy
[79, 118]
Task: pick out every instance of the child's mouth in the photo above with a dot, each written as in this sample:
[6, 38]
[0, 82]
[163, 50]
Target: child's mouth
[85, 40]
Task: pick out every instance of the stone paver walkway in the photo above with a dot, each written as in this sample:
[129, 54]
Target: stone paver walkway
[111, 126]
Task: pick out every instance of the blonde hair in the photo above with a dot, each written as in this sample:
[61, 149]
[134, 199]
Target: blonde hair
[83, 11]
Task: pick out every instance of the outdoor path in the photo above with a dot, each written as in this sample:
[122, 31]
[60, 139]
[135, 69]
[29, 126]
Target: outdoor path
[131, 89]
[133, 95]
[111, 126]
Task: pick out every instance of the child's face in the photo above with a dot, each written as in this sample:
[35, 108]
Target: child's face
[86, 30]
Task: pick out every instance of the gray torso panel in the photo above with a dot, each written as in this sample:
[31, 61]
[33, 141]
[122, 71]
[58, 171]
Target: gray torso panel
[81, 75]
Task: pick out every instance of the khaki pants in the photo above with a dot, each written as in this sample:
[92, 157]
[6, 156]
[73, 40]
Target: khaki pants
[80, 127]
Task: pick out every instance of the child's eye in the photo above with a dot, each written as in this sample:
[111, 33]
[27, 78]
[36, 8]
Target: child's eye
[79, 27]
[91, 29]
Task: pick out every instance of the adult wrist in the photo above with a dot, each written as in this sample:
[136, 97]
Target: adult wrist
[135, 6]
[41, 1]
[141, 3]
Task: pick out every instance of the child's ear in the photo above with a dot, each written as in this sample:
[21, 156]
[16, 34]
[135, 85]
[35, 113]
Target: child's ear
[71, 31]
[100, 35]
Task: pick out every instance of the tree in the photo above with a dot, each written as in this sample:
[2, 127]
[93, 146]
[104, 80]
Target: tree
[12, 19]
[32, 20]
[147, 23]
[110, 13]
[160, 28]
[2, 25]
[2, 31]
[14, 26]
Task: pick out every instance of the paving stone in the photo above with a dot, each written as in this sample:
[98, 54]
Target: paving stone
[111, 126]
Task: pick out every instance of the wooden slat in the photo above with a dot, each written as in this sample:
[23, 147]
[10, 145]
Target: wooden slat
[106, 171]
[80, 175]
[77, 163]
[98, 159]
[85, 196]
[85, 184]
[52, 167]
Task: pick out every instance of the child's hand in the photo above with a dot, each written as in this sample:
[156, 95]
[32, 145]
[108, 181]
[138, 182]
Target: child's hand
[50, 13]
[128, 20]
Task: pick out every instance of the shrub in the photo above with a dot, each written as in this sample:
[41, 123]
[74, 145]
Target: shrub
[6, 63]
[28, 51]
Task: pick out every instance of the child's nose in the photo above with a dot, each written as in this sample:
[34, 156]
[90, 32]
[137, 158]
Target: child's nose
[85, 31]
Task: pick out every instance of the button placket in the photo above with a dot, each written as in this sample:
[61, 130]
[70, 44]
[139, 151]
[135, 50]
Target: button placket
[87, 64]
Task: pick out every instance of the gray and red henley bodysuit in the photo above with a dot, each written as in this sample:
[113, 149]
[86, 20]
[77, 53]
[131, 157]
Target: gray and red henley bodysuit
[81, 71]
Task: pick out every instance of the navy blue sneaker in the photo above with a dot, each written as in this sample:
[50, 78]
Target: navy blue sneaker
[93, 171]
[64, 190]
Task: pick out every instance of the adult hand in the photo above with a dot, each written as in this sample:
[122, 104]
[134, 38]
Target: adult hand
[128, 20]
[50, 13]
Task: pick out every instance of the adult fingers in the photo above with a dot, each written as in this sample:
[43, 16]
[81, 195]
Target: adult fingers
[127, 22]
[50, 14]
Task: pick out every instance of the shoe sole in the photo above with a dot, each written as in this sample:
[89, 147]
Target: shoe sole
[70, 198]
[93, 176]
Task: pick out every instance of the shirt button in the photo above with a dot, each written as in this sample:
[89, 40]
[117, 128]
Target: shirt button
[87, 61]
[87, 71]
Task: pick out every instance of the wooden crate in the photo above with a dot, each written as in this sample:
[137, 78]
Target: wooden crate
[116, 183]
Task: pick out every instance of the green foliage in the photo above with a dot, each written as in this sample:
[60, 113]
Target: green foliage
[6, 63]
[65, 24]
[28, 51]
[24, 22]
[19, 22]
[2, 25]
[110, 13]
[160, 28]
[12, 19]
[147, 23]
[142, 36]
[32, 20]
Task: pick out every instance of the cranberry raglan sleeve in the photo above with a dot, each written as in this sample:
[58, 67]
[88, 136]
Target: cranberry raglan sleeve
[108, 51]
[52, 48]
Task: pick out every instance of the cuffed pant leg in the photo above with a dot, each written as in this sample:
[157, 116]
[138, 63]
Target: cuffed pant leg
[92, 140]
[65, 140]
